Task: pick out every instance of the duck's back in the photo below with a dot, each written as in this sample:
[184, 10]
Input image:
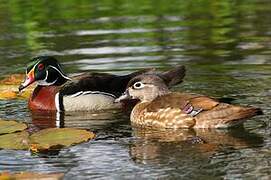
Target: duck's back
[98, 82]
[92, 91]
[181, 101]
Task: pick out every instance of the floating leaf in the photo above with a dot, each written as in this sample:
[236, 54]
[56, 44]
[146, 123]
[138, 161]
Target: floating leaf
[16, 141]
[11, 92]
[54, 138]
[9, 87]
[9, 126]
[8, 94]
[13, 79]
[31, 176]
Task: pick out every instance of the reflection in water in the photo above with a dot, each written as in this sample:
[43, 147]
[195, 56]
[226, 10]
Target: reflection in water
[84, 120]
[43, 119]
[180, 153]
[152, 145]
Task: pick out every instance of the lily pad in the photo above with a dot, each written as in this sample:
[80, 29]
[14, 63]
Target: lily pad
[12, 92]
[13, 79]
[31, 176]
[53, 139]
[9, 87]
[16, 141]
[9, 126]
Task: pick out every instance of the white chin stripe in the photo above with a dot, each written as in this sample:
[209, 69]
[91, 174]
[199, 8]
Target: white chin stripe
[44, 83]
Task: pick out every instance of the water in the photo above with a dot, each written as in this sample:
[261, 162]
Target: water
[225, 46]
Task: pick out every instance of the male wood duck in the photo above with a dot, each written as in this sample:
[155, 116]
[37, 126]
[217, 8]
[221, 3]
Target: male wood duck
[90, 91]
[161, 108]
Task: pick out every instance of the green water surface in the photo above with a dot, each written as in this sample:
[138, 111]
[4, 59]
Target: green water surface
[225, 46]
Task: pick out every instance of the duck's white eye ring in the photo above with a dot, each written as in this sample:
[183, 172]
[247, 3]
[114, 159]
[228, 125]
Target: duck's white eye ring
[138, 85]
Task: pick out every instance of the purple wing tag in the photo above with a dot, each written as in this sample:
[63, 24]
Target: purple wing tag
[189, 109]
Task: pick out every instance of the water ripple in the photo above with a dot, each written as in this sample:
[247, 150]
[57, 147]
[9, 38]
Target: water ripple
[112, 50]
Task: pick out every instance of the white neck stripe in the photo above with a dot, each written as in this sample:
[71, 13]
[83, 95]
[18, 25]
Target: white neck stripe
[57, 103]
[60, 72]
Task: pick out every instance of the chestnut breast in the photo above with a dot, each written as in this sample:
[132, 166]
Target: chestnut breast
[43, 98]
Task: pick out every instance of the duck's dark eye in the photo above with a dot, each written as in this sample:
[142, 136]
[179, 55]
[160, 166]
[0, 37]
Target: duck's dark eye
[138, 85]
[41, 67]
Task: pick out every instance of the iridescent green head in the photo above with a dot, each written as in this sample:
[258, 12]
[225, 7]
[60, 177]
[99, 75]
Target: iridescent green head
[45, 70]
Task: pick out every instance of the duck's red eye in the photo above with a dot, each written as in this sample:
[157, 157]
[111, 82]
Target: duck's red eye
[41, 66]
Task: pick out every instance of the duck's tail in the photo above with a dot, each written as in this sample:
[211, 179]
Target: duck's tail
[225, 115]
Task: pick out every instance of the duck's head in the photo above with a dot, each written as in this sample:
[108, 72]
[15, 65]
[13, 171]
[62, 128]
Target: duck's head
[45, 70]
[145, 87]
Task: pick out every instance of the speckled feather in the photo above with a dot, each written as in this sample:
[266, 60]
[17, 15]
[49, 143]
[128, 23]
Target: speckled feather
[169, 109]
[167, 112]
[162, 118]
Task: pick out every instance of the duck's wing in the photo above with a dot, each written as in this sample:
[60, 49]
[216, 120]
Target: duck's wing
[207, 112]
[225, 115]
[168, 111]
[179, 109]
[99, 82]
[210, 113]
[183, 101]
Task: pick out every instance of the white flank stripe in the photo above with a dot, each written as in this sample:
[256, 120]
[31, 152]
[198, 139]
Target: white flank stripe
[77, 94]
[92, 92]
[99, 92]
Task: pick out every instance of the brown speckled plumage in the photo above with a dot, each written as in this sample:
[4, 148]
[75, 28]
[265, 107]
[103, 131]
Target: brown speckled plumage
[160, 108]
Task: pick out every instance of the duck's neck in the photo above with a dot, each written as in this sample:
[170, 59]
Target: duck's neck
[60, 81]
[152, 96]
[54, 77]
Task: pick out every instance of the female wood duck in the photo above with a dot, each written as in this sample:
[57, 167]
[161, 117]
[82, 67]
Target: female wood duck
[160, 108]
[87, 92]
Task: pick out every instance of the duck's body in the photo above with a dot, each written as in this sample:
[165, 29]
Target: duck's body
[87, 92]
[160, 108]
[183, 110]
